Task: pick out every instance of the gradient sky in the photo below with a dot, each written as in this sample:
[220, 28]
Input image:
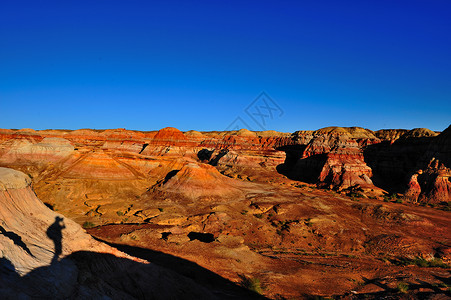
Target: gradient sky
[145, 65]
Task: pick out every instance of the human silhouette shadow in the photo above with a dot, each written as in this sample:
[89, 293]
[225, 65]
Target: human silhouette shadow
[54, 232]
[16, 239]
[91, 275]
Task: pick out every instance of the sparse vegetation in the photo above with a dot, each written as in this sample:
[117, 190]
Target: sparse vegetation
[421, 262]
[119, 213]
[88, 225]
[402, 287]
[252, 284]
[283, 226]
[391, 197]
[301, 186]
[354, 191]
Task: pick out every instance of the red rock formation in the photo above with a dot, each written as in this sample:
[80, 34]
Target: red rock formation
[413, 188]
[334, 158]
[195, 180]
[169, 136]
[430, 183]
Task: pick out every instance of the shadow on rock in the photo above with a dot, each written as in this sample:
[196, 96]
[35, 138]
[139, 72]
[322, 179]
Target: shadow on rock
[92, 275]
[221, 287]
[54, 232]
[205, 155]
[301, 169]
[392, 164]
[17, 240]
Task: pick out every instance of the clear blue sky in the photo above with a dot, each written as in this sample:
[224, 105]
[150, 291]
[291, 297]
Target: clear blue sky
[197, 65]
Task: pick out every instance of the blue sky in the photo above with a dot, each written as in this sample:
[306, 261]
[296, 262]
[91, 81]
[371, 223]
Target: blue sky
[146, 65]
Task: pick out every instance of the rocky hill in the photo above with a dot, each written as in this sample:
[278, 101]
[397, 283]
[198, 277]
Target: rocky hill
[45, 255]
[278, 213]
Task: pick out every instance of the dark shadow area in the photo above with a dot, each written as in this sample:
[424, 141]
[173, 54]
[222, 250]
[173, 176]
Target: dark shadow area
[54, 232]
[165, 235]
[17, 240]
[49, 205]
[170, 175]
[92, 275]
[144, 147]
[301, 169]
[202, 237]
[393, 163]
[205, 156]
[377, 282]
[404, 289]
[214, 162]
[224, 289]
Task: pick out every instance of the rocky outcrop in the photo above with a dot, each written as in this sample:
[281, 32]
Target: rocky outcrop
[33, 236]
[430, 182]
[390, 134]
[44, 255]
[201, 180]
[333, 157]
[394, 134]
[396, 158]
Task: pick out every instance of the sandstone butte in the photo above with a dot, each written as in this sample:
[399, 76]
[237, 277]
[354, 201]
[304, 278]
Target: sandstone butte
[121, 214]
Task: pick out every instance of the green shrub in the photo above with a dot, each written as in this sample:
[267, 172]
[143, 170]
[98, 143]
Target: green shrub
[391, 197]
[354, 191]
[119, 213]
[437, 262]
[402, 287]
[421, 262]
[88, 225]
[252, 284]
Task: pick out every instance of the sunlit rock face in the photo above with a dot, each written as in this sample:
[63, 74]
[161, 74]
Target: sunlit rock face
[94, 167]
[45, 255]
[34, 239]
